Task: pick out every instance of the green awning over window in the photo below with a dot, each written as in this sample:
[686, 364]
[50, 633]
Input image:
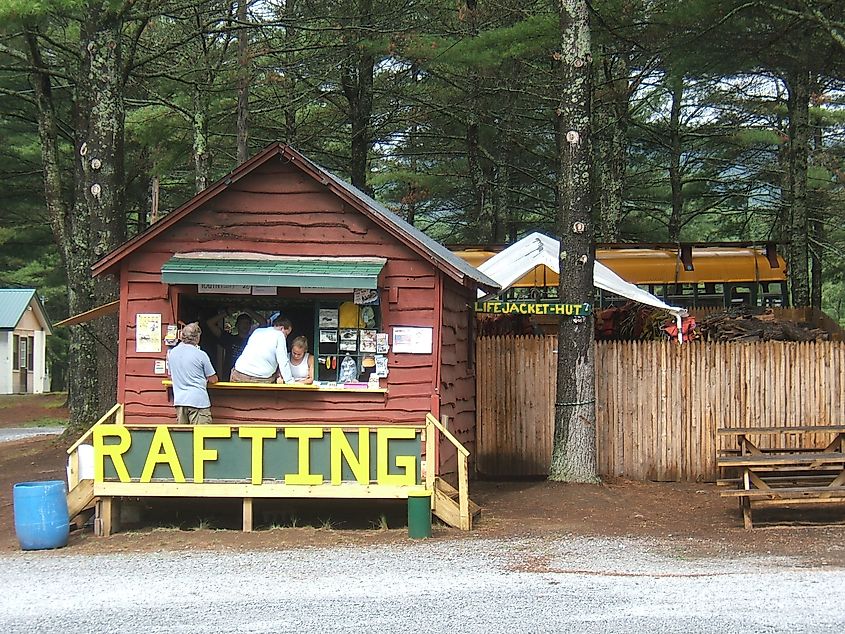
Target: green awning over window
[263, 271]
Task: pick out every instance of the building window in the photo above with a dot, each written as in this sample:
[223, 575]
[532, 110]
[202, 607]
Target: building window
[22, 353]
[333, 324]
[16, 361]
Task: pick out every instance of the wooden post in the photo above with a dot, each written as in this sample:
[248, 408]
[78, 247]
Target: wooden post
[107, 517]
[745, 501]
[431, 466]
[247, 515]
[73, 477]
[463, 493]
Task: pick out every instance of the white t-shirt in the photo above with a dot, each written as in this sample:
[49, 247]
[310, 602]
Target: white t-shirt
[264, 353]
[300, 371]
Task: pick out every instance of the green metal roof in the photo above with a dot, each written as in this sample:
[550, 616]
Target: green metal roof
[13, 301]
[293, 272]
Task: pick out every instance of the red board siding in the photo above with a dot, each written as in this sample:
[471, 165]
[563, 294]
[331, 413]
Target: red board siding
[277, 210]
[457, 377]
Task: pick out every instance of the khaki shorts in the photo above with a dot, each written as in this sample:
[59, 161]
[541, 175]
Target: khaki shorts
[240, 377]
[186, 415]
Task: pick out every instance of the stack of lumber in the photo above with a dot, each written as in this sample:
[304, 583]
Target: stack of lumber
[756, 324]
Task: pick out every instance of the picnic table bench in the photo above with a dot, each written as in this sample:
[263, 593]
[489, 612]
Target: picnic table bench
[767, 472]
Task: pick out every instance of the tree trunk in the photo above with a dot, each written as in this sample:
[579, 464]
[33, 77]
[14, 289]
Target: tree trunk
[99, 207]
[574, 449]
[610, 139]
[202, 155]
[816, 265]
[675, 148]
[816, 231]
[482, 203]
[798, 85]
[357, 83]
[243, 83]
[289, 77]
[97, 223]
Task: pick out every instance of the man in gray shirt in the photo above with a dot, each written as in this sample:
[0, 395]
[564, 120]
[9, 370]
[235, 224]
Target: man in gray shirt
[191, 372]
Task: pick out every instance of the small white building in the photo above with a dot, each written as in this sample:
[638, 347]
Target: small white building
[24, 328]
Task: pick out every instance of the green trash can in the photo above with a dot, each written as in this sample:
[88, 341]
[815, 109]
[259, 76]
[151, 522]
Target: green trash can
[419, 514]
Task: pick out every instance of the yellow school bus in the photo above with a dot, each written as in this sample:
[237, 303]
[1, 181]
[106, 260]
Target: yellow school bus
[693, 275]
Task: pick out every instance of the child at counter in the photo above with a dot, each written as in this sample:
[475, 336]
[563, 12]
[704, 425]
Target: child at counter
[301, 363]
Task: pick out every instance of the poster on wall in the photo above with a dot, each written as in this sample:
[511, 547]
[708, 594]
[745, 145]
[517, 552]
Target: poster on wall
[328, 318]
[348, 340]
[227, 289]
[148, 332]
[365, 296]
[368, 341]
[382, 344]
[412, 340]
[381, 366]
[328, 336]
[171, 336]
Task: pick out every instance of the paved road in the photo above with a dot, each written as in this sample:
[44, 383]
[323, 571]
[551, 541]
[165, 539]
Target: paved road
[468, 585]
[17, 433]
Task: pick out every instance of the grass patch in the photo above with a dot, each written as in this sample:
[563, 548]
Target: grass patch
[203, 525]
[46, 422]
[51, 400]
[381, 524]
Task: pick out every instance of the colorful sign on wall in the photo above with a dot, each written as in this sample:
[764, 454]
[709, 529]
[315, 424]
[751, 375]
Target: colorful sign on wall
[533, 308]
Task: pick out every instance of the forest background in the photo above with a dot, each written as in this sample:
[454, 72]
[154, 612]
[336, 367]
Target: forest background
[711, 120]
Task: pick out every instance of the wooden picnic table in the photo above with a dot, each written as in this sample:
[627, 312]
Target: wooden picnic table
[772, 474]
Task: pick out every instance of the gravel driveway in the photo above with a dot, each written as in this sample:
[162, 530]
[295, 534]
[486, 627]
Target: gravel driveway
[9, 434]
[468, 585]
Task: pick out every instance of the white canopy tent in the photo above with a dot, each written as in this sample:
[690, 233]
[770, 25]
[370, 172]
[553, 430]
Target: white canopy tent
[511, 264]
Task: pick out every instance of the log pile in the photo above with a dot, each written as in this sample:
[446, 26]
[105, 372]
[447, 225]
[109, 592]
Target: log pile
[756, 324]
[631, 321]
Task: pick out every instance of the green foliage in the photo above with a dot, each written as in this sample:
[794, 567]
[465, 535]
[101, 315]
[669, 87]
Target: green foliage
[461, 134]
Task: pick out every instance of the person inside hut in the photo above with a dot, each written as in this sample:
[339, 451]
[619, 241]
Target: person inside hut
[265, 356]
[191, 372]
[233, 343]
[301, 363]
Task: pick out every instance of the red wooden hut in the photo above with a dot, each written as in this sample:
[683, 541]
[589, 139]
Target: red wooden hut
[282, 233]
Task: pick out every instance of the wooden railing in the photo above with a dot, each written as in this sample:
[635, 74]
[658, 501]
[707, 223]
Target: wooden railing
[114, 415]
[440, 490]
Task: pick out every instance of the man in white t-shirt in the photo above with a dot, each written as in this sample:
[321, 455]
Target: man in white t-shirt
[265, 356]
[191, 372]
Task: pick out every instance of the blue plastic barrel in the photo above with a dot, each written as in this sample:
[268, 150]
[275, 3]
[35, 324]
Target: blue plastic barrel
[41, 517]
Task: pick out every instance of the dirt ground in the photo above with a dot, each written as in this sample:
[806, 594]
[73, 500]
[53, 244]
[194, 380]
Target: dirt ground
[32, 410]
[691, 519]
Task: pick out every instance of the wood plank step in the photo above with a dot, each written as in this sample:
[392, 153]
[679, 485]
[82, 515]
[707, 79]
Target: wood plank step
[773, 460]
[80, 498]
[819, 429]
[819, 491]
[797, 477]
[452, 493]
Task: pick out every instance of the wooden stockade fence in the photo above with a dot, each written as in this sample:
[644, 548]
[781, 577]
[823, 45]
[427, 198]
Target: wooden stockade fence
[658, 404]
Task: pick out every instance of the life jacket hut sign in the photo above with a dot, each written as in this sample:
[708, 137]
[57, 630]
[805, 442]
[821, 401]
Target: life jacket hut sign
[311, 455]
[533, 308]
